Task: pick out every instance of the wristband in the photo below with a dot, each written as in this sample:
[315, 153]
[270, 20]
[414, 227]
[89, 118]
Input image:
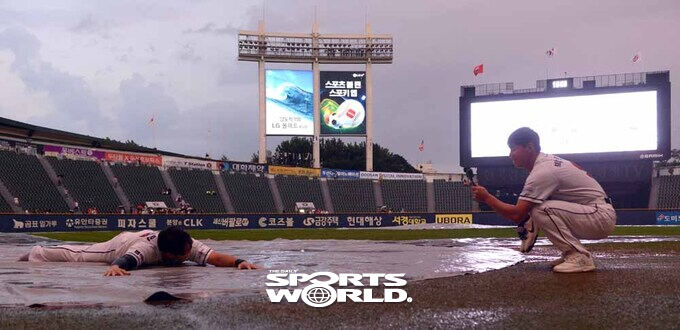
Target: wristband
[238, 261]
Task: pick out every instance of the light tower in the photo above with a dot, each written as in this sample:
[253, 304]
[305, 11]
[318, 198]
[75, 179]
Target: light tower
[315, 49]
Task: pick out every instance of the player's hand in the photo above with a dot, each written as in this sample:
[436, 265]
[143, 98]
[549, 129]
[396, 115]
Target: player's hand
[116, 271]
[247, 265]
[480, 194]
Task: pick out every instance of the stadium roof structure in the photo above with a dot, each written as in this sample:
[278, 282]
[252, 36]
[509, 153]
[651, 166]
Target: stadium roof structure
[20, 130]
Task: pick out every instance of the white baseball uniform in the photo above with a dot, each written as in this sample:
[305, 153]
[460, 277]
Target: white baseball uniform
[142, 245]
[570, 204]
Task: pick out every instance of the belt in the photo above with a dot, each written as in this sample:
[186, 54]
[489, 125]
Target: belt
[608, 200]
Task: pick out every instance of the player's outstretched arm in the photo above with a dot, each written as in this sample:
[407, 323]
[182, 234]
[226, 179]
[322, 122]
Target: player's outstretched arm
[516, 213]
[224, 260]
[120, 266]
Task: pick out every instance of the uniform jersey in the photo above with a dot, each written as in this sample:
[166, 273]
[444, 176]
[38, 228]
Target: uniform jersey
[554, 178]
[141, 245]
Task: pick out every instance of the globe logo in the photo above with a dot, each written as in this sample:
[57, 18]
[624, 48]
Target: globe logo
[69, 222]
[318, 295]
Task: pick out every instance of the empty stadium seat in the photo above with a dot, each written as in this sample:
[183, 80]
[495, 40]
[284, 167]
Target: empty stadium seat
[4, 207]
[249, 193]
[141, 183]
[352, 195]
[299, 189]
[451, 196]
[407, 195]
[26, 179]
[669, 191]
[86, 183]
[198, 188]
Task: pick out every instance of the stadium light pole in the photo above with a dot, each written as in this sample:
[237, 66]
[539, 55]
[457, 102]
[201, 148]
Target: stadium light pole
[262, 148]
[369, 106]
[315, 49]
[316, 148]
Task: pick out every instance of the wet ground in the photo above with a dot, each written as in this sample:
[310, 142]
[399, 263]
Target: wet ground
[637, 285]
[59, 284]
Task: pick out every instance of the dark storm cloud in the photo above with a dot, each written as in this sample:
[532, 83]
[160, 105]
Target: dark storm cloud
[73, 100]
[211, 28]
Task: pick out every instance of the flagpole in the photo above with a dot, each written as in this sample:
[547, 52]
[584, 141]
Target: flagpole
[153, 130]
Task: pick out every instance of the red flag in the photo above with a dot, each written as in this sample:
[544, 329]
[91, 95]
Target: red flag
[636, 58]
[478, 69]
[550, 52]
[421, 146]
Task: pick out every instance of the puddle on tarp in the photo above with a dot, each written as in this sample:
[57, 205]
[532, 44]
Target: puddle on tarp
[83, 284]
[24, 283]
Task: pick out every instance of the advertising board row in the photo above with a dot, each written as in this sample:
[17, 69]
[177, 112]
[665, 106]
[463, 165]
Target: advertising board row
[169, 161]
[18, 223]
[66, 223]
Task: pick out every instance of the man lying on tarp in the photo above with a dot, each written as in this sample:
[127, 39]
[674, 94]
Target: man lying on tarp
[130, 250]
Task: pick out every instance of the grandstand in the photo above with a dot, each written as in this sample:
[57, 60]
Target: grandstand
[406, 195]
[352, 196]
[53, 183]
[4, 207]
[25, 178]
[141, 183]
[299, 189]
[249, 193]
[669, 191]
[198, 188]
[87, 184]
[451, 196]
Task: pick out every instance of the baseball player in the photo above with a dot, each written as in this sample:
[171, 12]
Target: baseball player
[558, 198]
[130, 250]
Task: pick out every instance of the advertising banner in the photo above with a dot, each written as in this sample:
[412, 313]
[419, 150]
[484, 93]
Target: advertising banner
[245, 167]
[289, 107]
[77, 153]
[190, 163]
[668, 218]
[465, 219]
[390, 176]
[343, 102]
[339, 174]
[131, 158]
[285, 170]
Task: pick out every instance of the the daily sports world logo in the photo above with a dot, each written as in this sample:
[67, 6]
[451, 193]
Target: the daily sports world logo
[319, 290]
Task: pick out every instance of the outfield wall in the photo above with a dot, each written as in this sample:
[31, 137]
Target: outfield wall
[19, 223]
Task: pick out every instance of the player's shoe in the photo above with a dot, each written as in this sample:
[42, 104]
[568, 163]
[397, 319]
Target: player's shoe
[575, 263]
[528, 234]
[559, 260]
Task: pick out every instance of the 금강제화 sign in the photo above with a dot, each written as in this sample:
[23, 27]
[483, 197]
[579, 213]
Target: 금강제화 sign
[343, 102]
[290, 108]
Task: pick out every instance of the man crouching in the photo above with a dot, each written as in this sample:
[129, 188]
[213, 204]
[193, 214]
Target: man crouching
[558, 198]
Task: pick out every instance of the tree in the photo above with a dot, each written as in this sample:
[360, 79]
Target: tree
[337, 154]
[129, 143]
[255, 158]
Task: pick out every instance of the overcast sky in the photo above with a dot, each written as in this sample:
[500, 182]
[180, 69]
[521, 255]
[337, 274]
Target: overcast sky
[103, 68]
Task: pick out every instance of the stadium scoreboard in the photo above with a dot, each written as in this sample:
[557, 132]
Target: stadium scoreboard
[587, 119]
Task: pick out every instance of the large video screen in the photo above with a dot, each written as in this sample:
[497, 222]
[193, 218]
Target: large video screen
[343, 102]
[615, 122]
[289, 107]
